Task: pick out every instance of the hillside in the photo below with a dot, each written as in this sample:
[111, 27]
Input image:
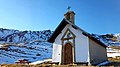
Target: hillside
[33, 45]
[109, 39]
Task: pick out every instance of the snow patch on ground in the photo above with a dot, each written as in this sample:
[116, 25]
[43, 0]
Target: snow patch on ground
[103, 63]
[39, 62]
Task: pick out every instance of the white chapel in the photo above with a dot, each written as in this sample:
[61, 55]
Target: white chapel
[73, 45]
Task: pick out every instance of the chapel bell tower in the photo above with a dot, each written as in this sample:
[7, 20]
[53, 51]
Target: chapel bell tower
[70, 15]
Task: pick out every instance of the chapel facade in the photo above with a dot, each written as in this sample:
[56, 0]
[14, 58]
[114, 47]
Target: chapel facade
[73, 45]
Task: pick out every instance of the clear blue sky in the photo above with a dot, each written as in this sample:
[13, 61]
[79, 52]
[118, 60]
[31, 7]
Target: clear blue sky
[94, 16]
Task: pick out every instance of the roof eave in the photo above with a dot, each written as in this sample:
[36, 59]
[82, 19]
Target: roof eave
[58, 30]
[93, 38]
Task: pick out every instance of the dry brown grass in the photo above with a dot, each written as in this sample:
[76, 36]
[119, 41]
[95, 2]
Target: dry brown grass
[43, 65]
[116, 59]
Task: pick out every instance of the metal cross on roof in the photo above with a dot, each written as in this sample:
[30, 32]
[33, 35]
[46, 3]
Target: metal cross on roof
[68, 8]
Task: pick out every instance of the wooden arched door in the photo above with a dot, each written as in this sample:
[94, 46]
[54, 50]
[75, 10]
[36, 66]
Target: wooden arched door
[68, 55]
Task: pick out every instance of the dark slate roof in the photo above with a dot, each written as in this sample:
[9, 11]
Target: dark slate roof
[61, 26]
[94, 39]
[58, 30]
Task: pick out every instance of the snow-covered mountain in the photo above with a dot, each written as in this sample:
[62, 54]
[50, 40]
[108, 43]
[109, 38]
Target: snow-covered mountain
[109, 39]
[16, 36]
[33, 45]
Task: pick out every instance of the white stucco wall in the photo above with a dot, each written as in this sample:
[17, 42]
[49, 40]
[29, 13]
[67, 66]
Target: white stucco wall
[98, 53]
[81, 46]
[56, 56]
